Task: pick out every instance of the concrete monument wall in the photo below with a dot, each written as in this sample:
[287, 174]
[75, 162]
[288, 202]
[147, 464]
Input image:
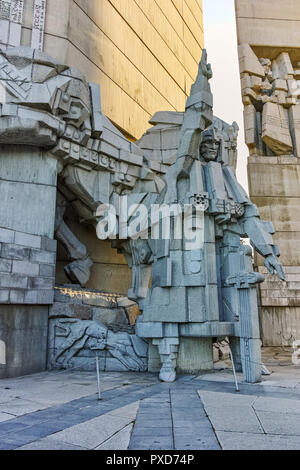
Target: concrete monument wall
[144, 53]
[27, 256]
[145, 56]
[269, 52]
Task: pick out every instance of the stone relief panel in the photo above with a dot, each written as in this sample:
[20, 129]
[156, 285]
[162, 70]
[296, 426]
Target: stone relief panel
[11, 18]
[83, 323]
[270, 90]
[75, 343]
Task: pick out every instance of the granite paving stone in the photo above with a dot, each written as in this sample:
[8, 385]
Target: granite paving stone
[236, 419]
[151, 443]
[249, 441]
[194, 443]
[5, 417]
[280, 423]
[140, 414]
[119, 441]
[94, 432]
[277, 404]
[50, 443]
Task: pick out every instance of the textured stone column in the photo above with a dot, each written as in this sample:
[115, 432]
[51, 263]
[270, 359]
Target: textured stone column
[195, 355]
[269, 55]
[27, 257]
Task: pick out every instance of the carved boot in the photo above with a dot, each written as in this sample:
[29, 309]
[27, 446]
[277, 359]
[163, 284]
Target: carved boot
[168, 351]
[79, 271]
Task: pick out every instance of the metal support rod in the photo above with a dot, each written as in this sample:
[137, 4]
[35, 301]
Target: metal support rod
[234, 371]
[98, 378]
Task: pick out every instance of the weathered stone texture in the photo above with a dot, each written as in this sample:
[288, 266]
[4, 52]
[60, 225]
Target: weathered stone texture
[145, 58]
[26, 270]
[24, 331]
[269, 52]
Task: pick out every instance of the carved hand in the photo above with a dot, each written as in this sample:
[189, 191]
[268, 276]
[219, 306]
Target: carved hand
[272, 264]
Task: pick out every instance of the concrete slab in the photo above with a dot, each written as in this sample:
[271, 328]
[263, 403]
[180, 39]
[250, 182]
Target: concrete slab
[50, 443]
[19, 407]
[129, 411]
[133, 399]
[277, 404]
[94, 432]
[119, 441]
[280, 423]
[196, 443]
[219, 399]
[5, 417]
[234, 419]
[250, 441]
[151, 443]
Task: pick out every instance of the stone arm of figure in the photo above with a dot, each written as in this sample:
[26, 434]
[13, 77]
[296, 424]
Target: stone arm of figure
[260, 234]
[198, 116]
[188, 151]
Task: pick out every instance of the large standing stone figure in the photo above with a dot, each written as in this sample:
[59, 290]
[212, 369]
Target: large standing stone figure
[209, 290]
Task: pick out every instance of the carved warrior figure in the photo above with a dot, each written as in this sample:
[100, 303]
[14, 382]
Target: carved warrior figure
[270, 89]
[196, 292]
[185, 158]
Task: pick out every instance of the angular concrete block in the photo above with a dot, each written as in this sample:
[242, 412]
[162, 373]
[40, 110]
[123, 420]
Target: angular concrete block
[13, 281]
[21, 207]
[17, 296]
[39, 297]
[195, 355]
[14, 252]
[47, 244]
[4, 296]
[70, 310]
[149, 329]
[47, 270]
[25, 267]
[43, 257]
[154, 361]
[27, 240]
[7, 236]
[41, 283]
[171, 330]
[5, 265]
[24, 330]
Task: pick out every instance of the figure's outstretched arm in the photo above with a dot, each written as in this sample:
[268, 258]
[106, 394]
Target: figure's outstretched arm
[260, 234]
[259, 231]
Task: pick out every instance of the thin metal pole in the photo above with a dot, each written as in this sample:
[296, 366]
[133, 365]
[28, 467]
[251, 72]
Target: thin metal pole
[234, 371]
[98, 377]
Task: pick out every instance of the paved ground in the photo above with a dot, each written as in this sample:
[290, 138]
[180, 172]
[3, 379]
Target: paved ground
[60, 410]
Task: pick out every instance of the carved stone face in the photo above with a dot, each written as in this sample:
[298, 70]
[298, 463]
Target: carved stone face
[78, 113]
[209, 149]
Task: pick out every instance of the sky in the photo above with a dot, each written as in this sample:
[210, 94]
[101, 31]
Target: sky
[221, 45]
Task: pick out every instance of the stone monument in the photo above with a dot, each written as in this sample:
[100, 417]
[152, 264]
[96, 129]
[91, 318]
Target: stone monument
[209, 291]
[57, 148]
